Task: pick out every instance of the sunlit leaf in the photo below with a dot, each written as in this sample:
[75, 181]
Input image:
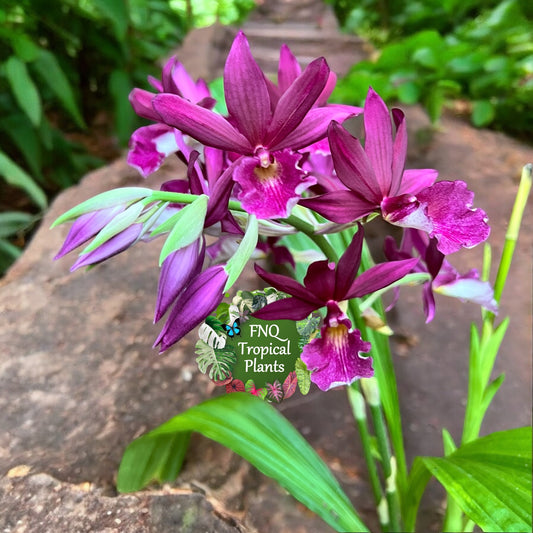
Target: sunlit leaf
[24, 89]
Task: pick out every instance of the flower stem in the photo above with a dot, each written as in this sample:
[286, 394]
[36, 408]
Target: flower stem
[358, 404]
[512, 231]
[388, 461]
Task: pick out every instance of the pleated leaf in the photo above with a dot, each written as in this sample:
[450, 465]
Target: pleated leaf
[489, 478]
[258, 433]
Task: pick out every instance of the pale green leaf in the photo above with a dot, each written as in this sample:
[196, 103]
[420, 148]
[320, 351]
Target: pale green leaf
[216, 363]
[238, 261]
[23, 88]
[188, 226]
[17, 177]
[262, 436]
[303, 376]
[104, 200]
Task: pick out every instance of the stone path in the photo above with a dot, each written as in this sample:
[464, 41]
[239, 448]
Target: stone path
[79, 380]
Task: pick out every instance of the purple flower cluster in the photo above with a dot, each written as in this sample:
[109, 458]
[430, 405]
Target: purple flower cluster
[280, 146]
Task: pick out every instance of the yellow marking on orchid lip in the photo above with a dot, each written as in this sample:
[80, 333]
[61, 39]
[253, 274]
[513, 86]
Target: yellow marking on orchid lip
[266, 173]
[343, 306]
[337, 335]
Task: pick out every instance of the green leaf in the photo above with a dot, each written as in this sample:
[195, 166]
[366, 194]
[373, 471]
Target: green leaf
[419, 477]
[188, 226]
[218, 362]
[409, 92]
[148, 459]
[120, 85]
[13, 221]
[116, 11]
[103, 200]
[24, 89]
[483, 113]
[238, 261]
[490, 479]
[262, 436]
[51, 73]
[27, 140]
[25, 48]
[17, 177]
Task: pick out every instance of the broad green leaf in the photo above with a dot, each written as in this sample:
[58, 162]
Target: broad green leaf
[120, 85]
[409, 92]
[116, 11]
[490, 479]
[261, 435]
[483, 113]
[24, 90]
[119, 223]
[17, 177]
[188, 226]
[238, 261]
[13, 221]
[111, 198]
[25, 48]
[51, 73]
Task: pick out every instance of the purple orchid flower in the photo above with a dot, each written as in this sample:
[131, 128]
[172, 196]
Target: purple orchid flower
[150, 145]
[266, 133]
[444, 277]
[334, 358]
[377, 182]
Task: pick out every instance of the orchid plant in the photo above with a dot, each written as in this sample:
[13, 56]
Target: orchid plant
[278, 173]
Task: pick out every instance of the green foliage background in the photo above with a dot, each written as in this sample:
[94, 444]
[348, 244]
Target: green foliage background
[431, 51]
[62, 63]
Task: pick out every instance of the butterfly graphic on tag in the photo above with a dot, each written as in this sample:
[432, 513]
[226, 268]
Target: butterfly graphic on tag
[233, 330]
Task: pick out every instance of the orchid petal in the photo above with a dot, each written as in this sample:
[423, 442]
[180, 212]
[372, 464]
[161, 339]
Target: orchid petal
[288, 69]
[314, 126]
[339, 206]
[399, 151]
[141, 101]
[296, 102]
[86, 227]
[288, 285]
[378, 140]
[352, 164]
[111, 247]
[273, 191]
[348, 265]
[469, 289]
[327, 90]
[150, 145]
[334, 358]
[195, 303]
[320, 280]
[205, 126]
[380, 276]
[456, 224]
[176, 272]
[414, 180]
[246, 92]
[286, 309]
